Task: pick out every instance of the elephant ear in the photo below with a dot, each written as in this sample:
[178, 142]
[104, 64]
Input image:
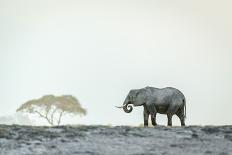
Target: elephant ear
[140, 98]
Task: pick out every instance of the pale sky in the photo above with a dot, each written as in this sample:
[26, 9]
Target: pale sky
[99, 50]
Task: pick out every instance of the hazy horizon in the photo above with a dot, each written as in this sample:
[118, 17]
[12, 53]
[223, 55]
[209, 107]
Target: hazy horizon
[99, 50]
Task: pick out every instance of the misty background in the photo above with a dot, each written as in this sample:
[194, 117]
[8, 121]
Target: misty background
[99, 50]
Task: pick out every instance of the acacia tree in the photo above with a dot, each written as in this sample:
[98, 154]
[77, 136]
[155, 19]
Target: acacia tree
[52, 108]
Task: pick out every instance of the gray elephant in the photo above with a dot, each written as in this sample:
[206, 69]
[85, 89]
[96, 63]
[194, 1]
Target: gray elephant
[167, 100]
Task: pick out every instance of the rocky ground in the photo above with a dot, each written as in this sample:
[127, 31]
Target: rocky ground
[119, 140]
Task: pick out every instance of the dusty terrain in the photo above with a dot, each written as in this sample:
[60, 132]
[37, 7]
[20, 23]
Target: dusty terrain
[119, 140]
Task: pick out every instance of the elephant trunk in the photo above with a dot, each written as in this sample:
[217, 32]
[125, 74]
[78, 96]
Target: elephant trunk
[127, 108]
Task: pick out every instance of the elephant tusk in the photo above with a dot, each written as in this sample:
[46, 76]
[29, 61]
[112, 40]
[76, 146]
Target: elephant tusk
[119, 107]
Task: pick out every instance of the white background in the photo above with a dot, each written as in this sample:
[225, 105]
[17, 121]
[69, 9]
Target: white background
[99, 50]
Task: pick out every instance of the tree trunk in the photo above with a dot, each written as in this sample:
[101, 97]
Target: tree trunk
[61, 113]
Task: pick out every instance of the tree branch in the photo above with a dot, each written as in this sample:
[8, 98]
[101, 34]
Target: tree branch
[41, 115]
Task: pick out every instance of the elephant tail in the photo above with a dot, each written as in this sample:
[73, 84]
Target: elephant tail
[184, 101]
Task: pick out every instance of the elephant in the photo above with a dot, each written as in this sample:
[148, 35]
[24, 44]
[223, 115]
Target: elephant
[169, 101]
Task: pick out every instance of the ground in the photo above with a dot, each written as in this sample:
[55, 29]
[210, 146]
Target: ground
[119, 140]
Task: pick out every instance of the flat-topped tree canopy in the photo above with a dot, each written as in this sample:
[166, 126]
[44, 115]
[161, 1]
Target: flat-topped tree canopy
[49, 106]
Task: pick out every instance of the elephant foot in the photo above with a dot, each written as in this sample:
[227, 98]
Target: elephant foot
[145, 123]
[154, 124]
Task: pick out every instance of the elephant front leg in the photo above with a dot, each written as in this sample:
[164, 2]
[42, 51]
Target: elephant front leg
[145, 116]
[153, 119]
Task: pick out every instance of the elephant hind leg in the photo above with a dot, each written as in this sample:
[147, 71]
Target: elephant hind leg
[169, 119]
[180, 114]
[170, 112]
